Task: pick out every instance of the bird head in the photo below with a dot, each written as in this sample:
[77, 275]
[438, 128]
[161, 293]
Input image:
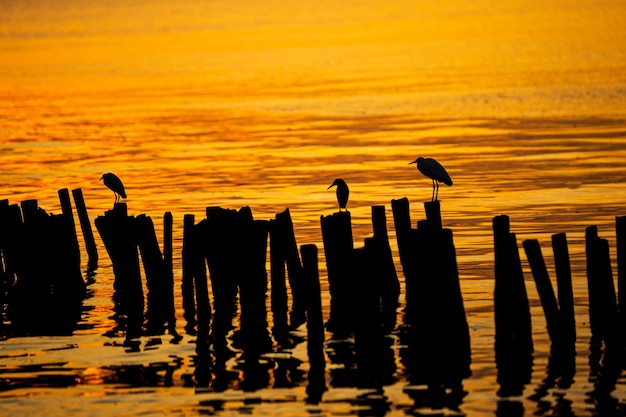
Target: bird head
[337, 182]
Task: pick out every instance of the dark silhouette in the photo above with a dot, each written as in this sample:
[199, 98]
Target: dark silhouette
[343, 192]
[114, 184]
[435, 171]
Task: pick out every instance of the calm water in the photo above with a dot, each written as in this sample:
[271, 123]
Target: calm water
[233, 103]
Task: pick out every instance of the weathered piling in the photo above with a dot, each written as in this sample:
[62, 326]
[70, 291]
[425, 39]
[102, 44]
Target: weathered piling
[196, 258]
[564, 289]
[544, 289]
[315, 324]
[85, 226]
[253, 284]
[367, 319]
[43, 266]
[220, 246]
[620, 238]
[118, 234]
[338, 247]
[388, 284]
[291, 256]
[189, 254]
[278, 295]
[603, 317]
[435, 309]
[513, 344]
[402, 224]
[160, 306]
[66, 209]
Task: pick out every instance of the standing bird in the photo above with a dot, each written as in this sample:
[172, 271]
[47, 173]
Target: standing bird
[435, 171]
[342, 192]
[115, 184]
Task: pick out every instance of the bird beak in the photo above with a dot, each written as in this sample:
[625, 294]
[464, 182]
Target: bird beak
[413, 162]
[330, 186]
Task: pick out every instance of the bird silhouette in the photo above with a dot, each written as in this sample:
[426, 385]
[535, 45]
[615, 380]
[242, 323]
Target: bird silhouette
[114, 184]
[342, 193]
[435, 171]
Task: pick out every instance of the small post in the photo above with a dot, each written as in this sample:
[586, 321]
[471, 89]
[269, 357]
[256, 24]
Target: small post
[85, 226]
[544, 288]
[338, 247]
[188, 259]
[294, 267]
[514, 345]
[602, 298]
[315, 325]
[388, 282]
[278, 295]
[66, 208]
[168, 224]
[565, 292]
[620, 238]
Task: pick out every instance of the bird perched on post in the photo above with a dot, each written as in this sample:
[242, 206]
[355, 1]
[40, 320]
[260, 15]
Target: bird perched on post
[342, 192]
[114, 184]
[435, 171]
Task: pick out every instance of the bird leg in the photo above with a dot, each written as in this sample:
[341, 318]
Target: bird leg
[433, 197]
[437, 190]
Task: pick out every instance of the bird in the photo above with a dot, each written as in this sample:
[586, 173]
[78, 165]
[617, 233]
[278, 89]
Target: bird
[114, 184]
[342, 193]
[435, 171]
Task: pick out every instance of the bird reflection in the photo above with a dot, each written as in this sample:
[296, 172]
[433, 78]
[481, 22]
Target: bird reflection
[435, 171]
[342, 193]
[114, 184]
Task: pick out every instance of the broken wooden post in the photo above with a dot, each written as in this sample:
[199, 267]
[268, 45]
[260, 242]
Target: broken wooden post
[338, 247]
[294, 267]
[315, 325]
[117, 231]
[620, 239]
[160, 312]
[514, 345]
[402, 224]
[388, 283]
[603, 315]
[66, 209]
[85, 226]
[435, 305]
[278, 296]
[564, 290]
[189, 255]
[252, 272]
[196, 252]
[544, 289]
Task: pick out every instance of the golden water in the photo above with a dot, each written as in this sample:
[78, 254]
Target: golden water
[199, 103]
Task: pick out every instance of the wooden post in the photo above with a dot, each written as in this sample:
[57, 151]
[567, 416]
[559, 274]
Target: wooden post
[253, 284]
[168, 223]
[294, 267]
[278, 295]
[160, 297]
[402, 224]
[544, 289]
[118, 234]
[315, 325]
[602, 299]
[565, 292]
[436, 311]
[66, 208]
[189, 254]
[620, 237]
[85, 226]
[514, 345]
[388, 284]
[197, 259]
[338, 247]
[220, 242]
